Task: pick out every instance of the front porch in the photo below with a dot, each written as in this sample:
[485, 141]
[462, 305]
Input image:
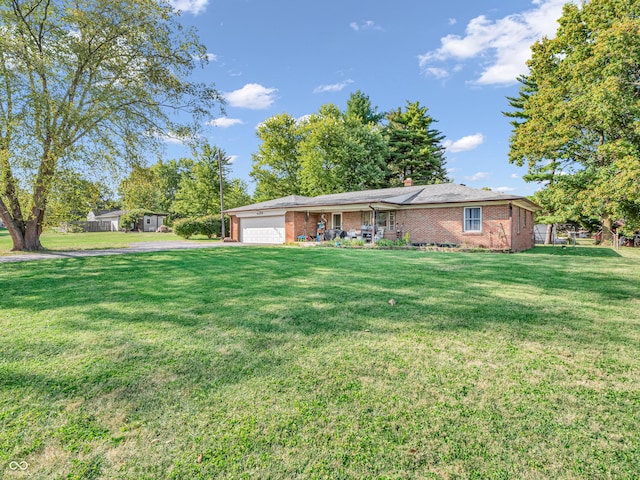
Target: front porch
[325, 226]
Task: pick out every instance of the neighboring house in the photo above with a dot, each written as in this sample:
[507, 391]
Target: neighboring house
[430, 214]
[149, 223]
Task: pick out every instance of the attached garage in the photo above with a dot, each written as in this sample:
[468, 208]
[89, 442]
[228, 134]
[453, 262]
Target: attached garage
[262, 229]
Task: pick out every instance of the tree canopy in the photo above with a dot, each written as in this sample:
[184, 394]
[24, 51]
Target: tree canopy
[577, 120]
[416, 149]
[189, 187]
[332, 151]
[276, 165]
[340, 153]
[85, 84]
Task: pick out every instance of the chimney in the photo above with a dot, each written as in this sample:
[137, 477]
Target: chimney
[408, 182]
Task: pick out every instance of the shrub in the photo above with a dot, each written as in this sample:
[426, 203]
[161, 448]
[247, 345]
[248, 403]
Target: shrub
[209, 225]
[384, 242]
[186, 227]
[353, 242]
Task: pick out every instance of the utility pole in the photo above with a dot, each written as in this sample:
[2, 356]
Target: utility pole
[223, 233]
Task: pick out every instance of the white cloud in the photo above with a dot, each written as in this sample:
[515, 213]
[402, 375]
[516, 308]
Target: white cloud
[504, 189]
[336, 87]
[232, 158]
[453, 21]
[478, 176]
[368, 25]
[209, 57]
[253, 96]
[225, 122]
[172, 140]
[190, 6]
[503, 44]
[437, 72]
[464, 144]
[515, 175]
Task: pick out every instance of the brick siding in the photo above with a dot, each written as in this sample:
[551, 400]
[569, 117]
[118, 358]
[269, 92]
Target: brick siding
[523, 238]
[234, 226]
[300, 224]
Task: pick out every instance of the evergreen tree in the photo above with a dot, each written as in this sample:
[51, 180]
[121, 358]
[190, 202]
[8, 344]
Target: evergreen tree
[416, 149]
[359, 108]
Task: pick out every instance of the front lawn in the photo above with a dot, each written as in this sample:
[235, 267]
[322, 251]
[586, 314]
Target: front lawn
[292, 363]
[93, 240]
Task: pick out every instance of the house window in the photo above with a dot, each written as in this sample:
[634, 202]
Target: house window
[526, 212]
[518, 220]
[384, 219]
[148, 221]
[473, 219]
[337, 221]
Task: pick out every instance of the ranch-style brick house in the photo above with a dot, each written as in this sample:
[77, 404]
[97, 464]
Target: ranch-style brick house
[443, 214]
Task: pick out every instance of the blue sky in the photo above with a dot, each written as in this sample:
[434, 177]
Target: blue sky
[458, 58]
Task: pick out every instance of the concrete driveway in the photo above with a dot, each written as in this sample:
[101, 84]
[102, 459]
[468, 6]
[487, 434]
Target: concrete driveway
[140, 247]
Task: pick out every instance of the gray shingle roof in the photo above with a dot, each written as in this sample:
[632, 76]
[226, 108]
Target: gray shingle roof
[284, 202]
[401, 196]
[111, 213]
[119, 213]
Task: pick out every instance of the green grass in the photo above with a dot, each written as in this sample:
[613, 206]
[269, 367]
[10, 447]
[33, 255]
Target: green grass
[93, 241]
[291, 363]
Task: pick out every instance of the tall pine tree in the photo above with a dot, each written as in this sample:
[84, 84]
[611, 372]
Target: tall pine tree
[416, 149]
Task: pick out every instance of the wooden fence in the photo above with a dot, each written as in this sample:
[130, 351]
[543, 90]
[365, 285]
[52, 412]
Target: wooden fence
[94, 226]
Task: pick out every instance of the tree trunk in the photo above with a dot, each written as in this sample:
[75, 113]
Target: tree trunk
[17, 234]
[548, 239]
[32, 236]
[25, 236]
[607, 232]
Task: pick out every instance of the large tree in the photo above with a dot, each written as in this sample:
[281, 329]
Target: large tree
[199, 188]
[582, 116]
[416, 149]
[339, 153]
[276, 165]
[87, 82]
[326, 152]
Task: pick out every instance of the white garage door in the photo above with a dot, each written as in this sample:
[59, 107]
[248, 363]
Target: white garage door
[262, 229]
